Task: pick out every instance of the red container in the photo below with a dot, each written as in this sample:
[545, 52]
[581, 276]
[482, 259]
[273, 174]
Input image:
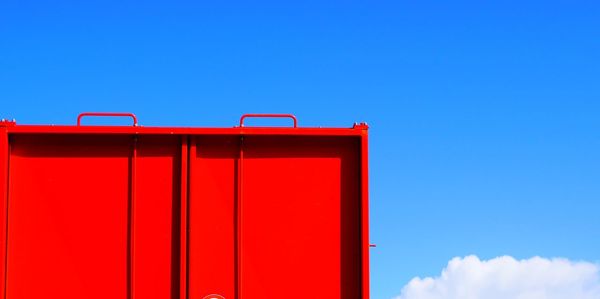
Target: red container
[145, 212]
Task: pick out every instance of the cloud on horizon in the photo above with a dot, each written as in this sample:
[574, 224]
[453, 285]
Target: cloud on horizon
[508, 278]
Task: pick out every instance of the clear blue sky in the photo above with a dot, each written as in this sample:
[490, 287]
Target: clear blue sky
[485, 117]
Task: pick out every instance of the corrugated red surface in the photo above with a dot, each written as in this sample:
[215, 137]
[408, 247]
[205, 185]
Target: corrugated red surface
[139, 212]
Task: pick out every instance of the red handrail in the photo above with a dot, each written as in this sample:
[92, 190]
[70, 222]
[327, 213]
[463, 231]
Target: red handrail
[112, 114]
[263, 115]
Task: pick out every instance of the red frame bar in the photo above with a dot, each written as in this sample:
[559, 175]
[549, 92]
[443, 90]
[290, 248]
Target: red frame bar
[132, 219]
[4, 167]
[38, 129]
[364, 187]
[238, 223]
[183, 250]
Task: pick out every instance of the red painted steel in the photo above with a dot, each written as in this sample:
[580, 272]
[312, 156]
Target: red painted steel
[212, 216]
[364, 189]
[237, 213]
[143, 212]
[156, 217]
[183, 221]
[68, 217]
[109, 114]
[294, 119]
[300, 228]
[4, 153]
[131, 236]
[236, 131]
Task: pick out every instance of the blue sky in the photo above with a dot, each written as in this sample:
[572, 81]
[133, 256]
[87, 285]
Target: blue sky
[485, 127]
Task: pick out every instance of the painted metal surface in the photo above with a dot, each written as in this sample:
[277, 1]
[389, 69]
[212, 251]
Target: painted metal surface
[147, 212]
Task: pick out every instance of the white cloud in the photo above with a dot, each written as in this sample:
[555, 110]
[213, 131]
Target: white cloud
[508, 278]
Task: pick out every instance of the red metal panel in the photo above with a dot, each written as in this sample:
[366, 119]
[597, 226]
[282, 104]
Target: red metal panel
[142, 212]
[156, 217]
[67, 229]
[211, 222]
[300, 218]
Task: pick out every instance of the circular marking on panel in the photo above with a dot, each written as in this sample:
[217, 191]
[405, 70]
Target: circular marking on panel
[214, 296]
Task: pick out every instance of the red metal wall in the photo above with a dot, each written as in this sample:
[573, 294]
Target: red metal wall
[212, 216]
[68, 213]
[300, 218]
[117, 212]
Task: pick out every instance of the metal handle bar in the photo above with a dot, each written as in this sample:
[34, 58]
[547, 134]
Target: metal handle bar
[269, 116]
[117, 114]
